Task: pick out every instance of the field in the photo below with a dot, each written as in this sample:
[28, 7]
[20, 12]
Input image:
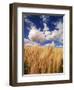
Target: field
[39, 59]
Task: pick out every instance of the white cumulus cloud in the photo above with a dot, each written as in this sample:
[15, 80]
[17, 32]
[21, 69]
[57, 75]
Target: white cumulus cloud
[55, 34]
[36, 35]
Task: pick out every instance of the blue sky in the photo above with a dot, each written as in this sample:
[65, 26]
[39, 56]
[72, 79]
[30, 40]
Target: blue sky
[47, 28]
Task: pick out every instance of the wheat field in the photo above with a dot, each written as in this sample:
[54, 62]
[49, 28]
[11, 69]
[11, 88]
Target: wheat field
[39, 59]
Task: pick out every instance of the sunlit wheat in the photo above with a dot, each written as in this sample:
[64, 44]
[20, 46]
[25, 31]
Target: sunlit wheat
[43, 59]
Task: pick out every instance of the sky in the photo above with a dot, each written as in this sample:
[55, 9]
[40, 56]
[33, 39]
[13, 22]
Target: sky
[43, 30]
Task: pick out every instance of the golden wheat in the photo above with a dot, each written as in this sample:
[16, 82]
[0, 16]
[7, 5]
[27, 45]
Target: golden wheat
[43, 59]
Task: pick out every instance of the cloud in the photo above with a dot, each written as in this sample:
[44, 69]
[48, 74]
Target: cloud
[52, 44]
[45, 27]
[36, 35]
[30, 23]
[59, 25]
[27, 42]
[55, 34]
[51, 35]
[60, 31]
[44, 18]
[47, 33]
[59, 46]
